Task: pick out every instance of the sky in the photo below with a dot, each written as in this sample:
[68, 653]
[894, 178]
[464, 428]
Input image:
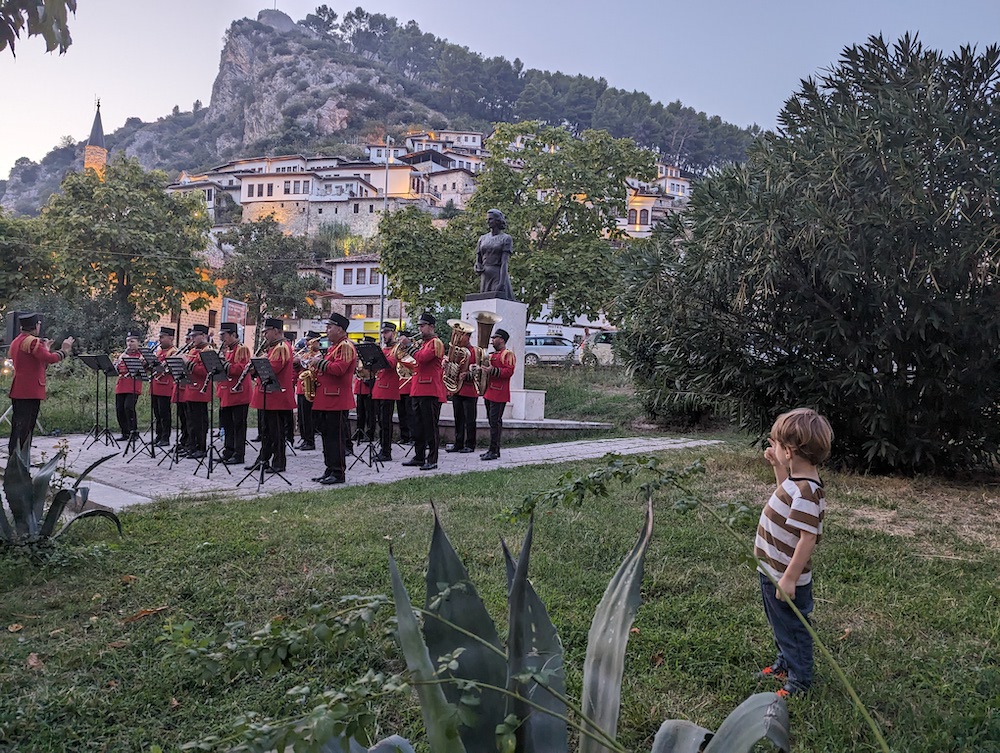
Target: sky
[737, 60]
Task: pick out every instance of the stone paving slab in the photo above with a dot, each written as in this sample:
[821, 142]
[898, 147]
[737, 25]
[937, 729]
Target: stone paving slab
[131, 479]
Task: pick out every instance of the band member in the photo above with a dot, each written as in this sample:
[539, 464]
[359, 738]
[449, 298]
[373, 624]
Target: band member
[464, 403]
[233, 406]
[178, 398]
[162, 388]
[307, 432]
[386, 392]
[275, 405]
[127, 389]
[404, 408]
[427, 393]
[334, 398]
[501, 368]
[196, 395]
[364, 381]
[31, 356]
[288, 417]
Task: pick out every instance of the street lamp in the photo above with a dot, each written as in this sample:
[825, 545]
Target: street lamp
[385, 213]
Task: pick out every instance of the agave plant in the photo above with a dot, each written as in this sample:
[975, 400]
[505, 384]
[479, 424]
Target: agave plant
[476, 697]
[32, 524]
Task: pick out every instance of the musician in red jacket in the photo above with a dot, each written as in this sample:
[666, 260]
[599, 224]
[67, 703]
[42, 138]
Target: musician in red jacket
[501, 369]
[274, 404]
[30, 355]
[464, 403]
[385, 393]
[197, 395]
[127, 389]
[162, 388]
[427, 393]
[334, 398]
[233, 406]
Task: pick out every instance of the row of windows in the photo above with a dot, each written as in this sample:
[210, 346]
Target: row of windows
[361, 276]
[290, 187]
[355, 308]
[643, 217]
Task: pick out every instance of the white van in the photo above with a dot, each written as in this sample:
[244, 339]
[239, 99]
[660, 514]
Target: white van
[598, 350]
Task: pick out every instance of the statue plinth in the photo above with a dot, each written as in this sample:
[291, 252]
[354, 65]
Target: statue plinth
[480, 297]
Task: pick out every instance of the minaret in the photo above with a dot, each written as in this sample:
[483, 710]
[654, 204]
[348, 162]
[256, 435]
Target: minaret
[95, 155]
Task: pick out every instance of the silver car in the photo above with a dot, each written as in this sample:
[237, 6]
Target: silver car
[549, 349]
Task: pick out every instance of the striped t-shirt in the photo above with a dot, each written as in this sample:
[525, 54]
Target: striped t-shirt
[796, 505]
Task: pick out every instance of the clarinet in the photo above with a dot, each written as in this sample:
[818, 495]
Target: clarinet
[238, 386]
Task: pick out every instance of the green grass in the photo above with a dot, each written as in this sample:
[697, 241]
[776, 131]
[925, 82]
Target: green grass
[906, 592]
[583, 394]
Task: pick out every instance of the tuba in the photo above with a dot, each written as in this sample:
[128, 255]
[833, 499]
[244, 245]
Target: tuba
[406, 364]
[457, 362]
[486, 321]
[307, 377]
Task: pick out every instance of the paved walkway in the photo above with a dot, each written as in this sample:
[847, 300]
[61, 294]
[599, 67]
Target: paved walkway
[127, 480]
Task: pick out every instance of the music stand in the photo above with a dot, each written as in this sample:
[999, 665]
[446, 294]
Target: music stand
[374, 360]
[268, 383]
[178, 370]
[135, 369]
[216, 370]
[101, 364]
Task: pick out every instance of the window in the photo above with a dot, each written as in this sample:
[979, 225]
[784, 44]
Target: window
[213, 317]
[347, 310]
[348, 277]
[305, 186]
[208, 195]
[368, 177]
[373, 276]
[369, 310]
[260, 189]
[362, 276]
[357, 207]
[319, 211]
[230, 181]
[644, 217]
[249, 191]
[288, 187]
[631, 217]
[378, 152]
[296, 188]
[270, 189]
[453, 186]
[371, 209]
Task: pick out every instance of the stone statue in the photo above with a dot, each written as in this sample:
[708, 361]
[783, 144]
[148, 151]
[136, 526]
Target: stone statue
[492, 254]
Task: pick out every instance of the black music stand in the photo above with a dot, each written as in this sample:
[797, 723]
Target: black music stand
[178, 370]
[374, 360]
[268, 383]
[135, 369]
[101, 364]
[216, 370]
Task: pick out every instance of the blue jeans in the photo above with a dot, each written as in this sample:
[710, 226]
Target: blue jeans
[795, 645]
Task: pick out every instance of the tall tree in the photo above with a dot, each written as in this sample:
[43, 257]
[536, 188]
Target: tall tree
[262, 270]
[24, 262]
[852, 264]
[126, 238]
[48, 19]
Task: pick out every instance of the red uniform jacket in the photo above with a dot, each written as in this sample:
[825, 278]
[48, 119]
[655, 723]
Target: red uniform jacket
[387, 380]
[468, 387]
[236, 360]
[30, 357]
[163, 383]
[429, 377]
[280, 356]
[333, 377]
[197, 373]
[126, 385]
[498, 388]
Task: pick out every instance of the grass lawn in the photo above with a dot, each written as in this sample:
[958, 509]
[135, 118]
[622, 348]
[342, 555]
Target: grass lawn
[907, 598]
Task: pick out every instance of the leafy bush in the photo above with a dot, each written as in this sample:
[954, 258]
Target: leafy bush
[850, 265]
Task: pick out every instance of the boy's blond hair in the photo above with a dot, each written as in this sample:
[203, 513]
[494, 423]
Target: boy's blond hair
[805, 432]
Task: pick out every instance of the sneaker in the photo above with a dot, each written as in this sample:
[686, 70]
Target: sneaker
[789, 691]
[774, 672]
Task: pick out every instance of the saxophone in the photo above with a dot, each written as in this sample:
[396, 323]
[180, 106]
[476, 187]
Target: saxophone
[458, 356]
[307, 378]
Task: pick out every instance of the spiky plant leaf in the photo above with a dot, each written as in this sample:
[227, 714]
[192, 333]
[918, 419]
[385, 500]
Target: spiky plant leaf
[452, 595]
[533, 646]
[90, 514]
[40, 486]
[440, 718]
[392, 744]
[59, 501]
[608, 638]
[91, 467]
[342, 744]
[5, 530]
[17, 489]
[680, 736]
[759, 716]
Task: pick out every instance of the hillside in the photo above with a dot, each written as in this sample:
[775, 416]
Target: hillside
[314, 86]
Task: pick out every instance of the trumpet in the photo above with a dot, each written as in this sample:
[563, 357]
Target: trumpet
[184, 348]
[238, 385]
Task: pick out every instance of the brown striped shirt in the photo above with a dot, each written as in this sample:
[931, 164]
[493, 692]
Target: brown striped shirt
[797, 505]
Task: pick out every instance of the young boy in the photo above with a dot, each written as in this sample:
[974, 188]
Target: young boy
[790, 527]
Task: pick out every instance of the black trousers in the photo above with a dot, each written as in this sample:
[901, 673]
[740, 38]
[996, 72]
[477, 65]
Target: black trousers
[333, 427]
[383, 409]
[197, 415]
[22, 423]
[366, 418]
[404, 411]
[182, 419]
[494, 412]
[465, 421]
[233, 421]
[425, 440]
[161, 417]
[125, 410]
[272, 439]
[288, 425]
[307, 432]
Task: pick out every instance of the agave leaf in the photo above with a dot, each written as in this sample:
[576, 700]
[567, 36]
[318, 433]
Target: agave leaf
[90, 514]
[533, 646]
[680, 736]
[759, 716]
[55, 510]
[5, 530]
[91, 467]
[391, 744]
[452, 595]
[342, 744]
[17, 489]
[440, 719]
[607, 640]
[40, 485]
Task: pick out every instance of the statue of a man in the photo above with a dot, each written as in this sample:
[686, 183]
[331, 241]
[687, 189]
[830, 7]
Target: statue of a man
[492, 254]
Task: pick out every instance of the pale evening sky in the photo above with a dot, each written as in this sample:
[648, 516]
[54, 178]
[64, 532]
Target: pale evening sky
[738, 60]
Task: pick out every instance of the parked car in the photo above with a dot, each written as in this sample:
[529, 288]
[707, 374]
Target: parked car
[598, 349]
[549, 349]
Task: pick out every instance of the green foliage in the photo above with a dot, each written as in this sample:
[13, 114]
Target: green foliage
[126, 238]
[850, 265]
[46, 18]
[22, 264]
